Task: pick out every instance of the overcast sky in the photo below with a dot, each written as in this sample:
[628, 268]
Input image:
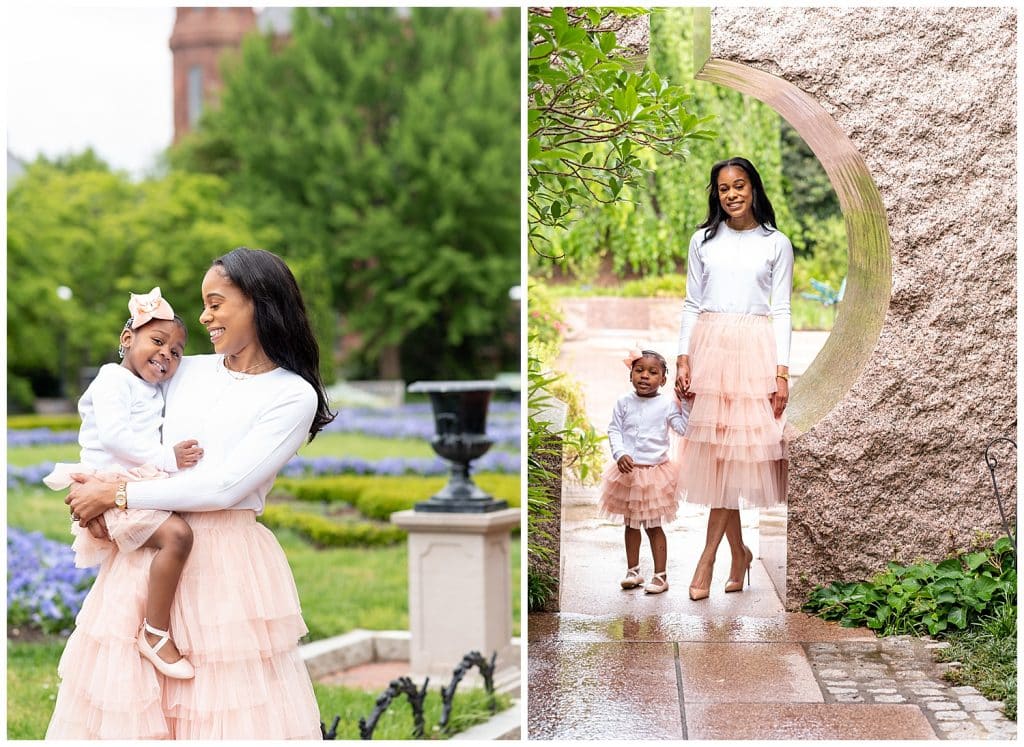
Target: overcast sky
[89, 76]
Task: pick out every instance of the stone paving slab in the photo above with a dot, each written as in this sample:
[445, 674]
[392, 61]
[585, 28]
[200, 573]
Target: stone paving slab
[789, 627]
[603, 691]
[902, 670]
[746, 673]
[804, 721]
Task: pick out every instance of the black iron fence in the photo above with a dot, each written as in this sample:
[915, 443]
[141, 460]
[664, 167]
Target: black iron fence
[416, 696]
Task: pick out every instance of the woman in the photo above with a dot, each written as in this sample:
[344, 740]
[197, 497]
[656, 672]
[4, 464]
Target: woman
[734, 362]
[236, 614]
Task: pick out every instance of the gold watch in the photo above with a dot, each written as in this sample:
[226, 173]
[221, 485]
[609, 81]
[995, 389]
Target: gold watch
[121, 496]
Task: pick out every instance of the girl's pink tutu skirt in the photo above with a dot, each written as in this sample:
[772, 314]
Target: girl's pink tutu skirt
[645, 497]
[733, 454]
[235, 616]
[129, 530]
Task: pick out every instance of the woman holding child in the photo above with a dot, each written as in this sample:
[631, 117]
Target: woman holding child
[733, 364]
[235, 615]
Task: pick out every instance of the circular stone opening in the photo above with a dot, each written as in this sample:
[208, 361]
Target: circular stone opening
[869, 277]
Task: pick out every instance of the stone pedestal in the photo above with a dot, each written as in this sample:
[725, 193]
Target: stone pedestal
[460, 589]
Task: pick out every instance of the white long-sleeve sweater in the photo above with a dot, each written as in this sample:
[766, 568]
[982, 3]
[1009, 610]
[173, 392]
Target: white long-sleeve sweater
[121, 418]
[249, 426]
[740, 272]
[639, 426]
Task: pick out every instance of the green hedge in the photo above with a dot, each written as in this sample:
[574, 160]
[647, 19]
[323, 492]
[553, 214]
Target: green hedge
[323, 532]
[378, 497]
[66, 422]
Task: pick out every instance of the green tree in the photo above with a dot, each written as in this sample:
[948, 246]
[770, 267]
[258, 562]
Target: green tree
[594, 121]
[103, 237]
[648, 230]
[384, 150]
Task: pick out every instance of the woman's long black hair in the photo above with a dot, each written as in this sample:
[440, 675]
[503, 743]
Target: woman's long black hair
[764, 213]
[279, 313]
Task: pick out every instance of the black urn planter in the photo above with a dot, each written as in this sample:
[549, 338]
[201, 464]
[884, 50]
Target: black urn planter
[460, 424]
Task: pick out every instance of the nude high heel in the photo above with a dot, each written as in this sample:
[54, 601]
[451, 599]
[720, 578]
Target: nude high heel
[730, 585]
[697, 593]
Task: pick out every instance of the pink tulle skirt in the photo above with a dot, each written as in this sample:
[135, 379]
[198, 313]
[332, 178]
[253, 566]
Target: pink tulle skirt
[129, 530]
[645, 497]
[235, 616]
[733, 454]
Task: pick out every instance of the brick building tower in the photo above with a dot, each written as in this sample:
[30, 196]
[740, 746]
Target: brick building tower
[200, 37]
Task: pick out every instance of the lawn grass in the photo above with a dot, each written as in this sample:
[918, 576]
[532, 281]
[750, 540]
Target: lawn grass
[32, 689]
[31, 686]
[987, 652]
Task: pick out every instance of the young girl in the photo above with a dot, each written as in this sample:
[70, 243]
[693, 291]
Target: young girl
[640, 486]
[122, 413]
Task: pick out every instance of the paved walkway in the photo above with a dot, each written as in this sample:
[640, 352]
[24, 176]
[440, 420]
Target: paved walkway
[619, 664]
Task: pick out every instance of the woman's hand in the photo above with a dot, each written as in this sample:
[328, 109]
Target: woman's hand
[625, 464]
[682, 376]
[98, 528]
[781, 396]
[89, 497]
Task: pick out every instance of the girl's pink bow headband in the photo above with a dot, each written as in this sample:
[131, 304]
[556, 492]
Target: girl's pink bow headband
[631, 356]
[148, 306]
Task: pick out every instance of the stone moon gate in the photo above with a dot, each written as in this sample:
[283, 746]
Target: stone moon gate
[912, 113]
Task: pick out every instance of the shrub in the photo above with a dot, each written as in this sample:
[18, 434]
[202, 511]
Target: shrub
[65, 422]
[323, 532]
[924, 597]
[379, 497]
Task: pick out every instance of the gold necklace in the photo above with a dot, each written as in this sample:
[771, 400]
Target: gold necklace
[236, 374]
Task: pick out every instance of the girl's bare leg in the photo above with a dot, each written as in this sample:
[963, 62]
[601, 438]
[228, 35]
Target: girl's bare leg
[173, 543]
[659, 548]
[633, 538]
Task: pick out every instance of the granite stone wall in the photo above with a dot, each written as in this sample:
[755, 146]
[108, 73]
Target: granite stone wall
[928, 97]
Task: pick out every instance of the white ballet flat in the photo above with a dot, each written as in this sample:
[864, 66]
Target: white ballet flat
[181, 669]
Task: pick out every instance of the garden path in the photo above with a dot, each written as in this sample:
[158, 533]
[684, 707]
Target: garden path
[619, 664]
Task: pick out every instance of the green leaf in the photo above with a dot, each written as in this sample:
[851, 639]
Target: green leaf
[975, 559]
[949, 568]
[958, 617]
[607, 41]
[542, 50]
[533, 149]
[587, 156]
[556, 209]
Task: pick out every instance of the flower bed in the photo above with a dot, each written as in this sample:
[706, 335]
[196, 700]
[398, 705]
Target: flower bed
[413, 421]
[44, 589]
[493, 461]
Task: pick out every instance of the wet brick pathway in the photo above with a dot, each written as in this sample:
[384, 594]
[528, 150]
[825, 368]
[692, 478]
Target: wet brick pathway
[625, 665]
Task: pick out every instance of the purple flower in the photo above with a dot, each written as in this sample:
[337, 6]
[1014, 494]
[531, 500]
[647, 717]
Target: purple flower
[44, 588]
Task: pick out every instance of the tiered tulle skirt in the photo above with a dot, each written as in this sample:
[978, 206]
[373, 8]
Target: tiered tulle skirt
[236, 616]
[733, 454]
[129, 530]
[645, 497]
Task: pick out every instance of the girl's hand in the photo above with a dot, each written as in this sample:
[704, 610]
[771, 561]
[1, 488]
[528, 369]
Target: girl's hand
[682, 376]
[625, 464]
[89, 497]
[780, 398]
[188, 453]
